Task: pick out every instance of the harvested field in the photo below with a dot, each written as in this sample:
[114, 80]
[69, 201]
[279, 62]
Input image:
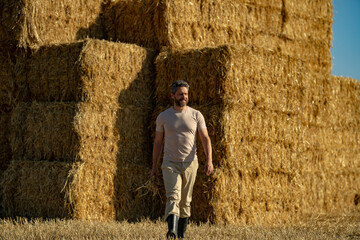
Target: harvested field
[33, 23]
[332, 227]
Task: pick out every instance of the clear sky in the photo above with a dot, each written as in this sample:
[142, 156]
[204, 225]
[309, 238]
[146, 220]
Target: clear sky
[345, 52]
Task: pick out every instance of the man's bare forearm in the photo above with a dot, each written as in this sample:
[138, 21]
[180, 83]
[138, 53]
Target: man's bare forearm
[207, 149]
[156, 153]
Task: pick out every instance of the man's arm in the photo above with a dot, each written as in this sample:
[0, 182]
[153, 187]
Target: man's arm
[206, 142]
[158, 143]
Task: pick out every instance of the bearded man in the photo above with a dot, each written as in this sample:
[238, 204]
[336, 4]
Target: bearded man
[176, 130]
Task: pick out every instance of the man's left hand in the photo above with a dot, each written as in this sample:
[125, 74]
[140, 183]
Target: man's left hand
[209, 168]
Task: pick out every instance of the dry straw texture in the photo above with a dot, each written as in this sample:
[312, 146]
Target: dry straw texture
[76, 190]
[59, 131]
[278, 25]
[81, 132]
[6, 78]
[53, 189]
[5, 149]
[281, 147]
[94, 71]
[135, 195]
[86, 106]
[242, 74]
[37, 22]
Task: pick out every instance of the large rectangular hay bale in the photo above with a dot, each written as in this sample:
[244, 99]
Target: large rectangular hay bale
[30, 22]
[59, 190]
[96, 71]
[183, 24]
[81, 132]
[187, 24]
[320, 9]
[234, 74]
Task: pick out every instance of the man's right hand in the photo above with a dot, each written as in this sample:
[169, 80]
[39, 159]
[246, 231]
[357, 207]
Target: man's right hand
[154, 172]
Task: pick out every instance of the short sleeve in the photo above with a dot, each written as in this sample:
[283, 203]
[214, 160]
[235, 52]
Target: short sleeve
[159, 123]
[201, 121]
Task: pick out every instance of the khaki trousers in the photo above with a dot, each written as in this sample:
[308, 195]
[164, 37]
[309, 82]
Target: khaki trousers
[179, 179]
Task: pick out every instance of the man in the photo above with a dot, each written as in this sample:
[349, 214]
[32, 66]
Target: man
[176, 128]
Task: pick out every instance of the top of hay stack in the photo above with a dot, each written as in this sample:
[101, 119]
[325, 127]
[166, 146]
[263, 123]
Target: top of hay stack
[39, 22]
[278, 25]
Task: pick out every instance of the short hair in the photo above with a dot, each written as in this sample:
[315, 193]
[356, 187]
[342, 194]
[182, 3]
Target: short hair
[178, 83]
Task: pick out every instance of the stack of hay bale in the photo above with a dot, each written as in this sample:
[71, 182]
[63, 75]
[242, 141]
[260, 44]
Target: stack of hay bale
[282, 148]
[78, 132]
[285, 133]
[260, 73]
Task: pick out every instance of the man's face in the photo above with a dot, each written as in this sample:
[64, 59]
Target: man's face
[180, 97]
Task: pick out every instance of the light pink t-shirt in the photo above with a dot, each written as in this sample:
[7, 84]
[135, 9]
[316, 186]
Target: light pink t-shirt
[180, 128]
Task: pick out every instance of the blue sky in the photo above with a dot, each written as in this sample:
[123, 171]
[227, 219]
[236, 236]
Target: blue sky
[345, 52]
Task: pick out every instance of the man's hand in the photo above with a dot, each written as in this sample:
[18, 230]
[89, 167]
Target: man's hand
[206, 142]
[209, 168]
[154, 172]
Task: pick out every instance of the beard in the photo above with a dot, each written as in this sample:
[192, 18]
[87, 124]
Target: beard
[180, 103]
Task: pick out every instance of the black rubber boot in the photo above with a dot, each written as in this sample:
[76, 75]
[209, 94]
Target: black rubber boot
[172, 220]
[183, 222]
